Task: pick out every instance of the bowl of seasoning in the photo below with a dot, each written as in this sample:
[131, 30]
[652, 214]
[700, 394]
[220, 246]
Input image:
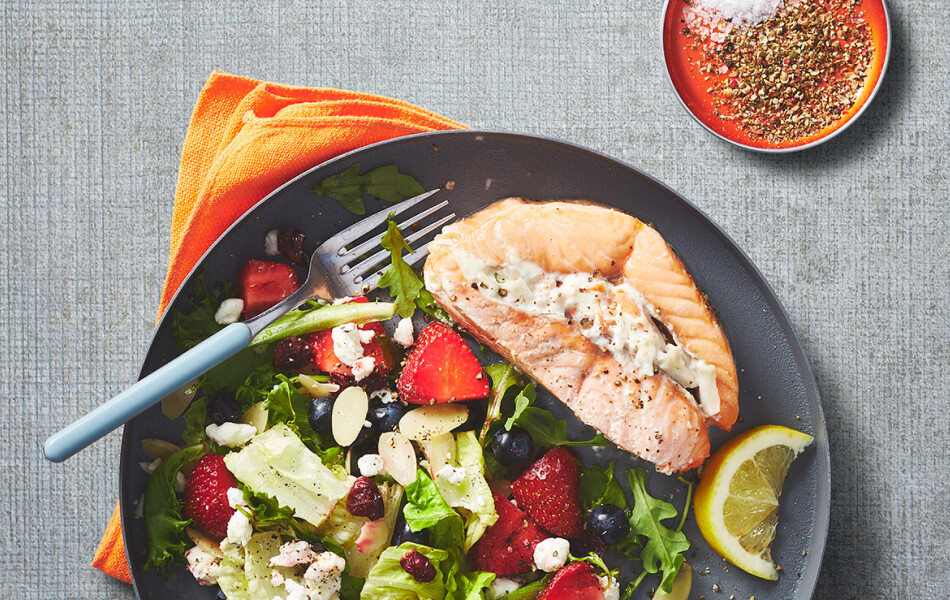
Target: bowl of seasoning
[776, 75]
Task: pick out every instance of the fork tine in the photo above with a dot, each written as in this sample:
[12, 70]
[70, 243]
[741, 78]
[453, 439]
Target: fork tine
[374, 242]
[370, 283]
[364, 226]
[375, 259]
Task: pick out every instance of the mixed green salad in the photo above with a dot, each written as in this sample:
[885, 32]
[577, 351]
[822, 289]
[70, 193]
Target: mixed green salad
[362, 450]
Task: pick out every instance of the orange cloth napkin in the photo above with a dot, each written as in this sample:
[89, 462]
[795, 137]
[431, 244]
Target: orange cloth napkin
[246, 138]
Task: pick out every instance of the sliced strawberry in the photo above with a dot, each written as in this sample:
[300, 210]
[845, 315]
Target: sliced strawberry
[325, 359]
[548, 492]
[441, 368]
[507, 547]
[206, 496]
[576, 581]
[264, 284]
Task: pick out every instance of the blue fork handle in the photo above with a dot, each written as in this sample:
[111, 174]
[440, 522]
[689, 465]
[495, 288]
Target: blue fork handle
[147, 392]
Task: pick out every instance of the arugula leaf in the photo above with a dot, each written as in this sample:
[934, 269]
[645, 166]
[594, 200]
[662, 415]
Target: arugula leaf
[403, 283]
[199, 324]
[164, 524]
[503, 377]
[385, 183]
[546, 430]
[598, 486]
[523, 400]
[664, 549]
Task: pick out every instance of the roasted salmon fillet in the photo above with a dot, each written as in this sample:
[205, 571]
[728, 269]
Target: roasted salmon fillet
[595, 306]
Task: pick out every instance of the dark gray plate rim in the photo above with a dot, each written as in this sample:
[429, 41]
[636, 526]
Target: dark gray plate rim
[809, 575]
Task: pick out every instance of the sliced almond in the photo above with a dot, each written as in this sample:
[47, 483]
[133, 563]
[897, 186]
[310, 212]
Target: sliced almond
[399, 457]
[349, 415]
[256, 416]
[428, 421]
[316, 389]
[204, 542]
[439, 451]
[158, 448]
[174, 404]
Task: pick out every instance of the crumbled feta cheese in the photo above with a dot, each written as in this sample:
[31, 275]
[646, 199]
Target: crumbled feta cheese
[323, 576]
[276, 579]
[229, 311]
[203, 565]
[551, 554]
[230, 434]
[150, 467]
[612, 591]
[292, 554]
[239, 529]
[346, 343]
[453, 475]
[367, 335]
[363, 367]
[270, 243]
[403, 334]
[385, 396]
[296, 591]
[370, 465]
[503, 585]
[180, 482]
[343, 300]
[235, 498]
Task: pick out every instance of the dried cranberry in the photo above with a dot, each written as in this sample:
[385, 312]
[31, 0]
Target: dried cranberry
[365, 500]
[290, 243]
[292, 354]
[417, 565]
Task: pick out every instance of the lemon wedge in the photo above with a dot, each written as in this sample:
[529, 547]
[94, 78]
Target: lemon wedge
[736, 503]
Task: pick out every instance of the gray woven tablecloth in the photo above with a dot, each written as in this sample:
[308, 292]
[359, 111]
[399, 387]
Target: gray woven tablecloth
[853, 235]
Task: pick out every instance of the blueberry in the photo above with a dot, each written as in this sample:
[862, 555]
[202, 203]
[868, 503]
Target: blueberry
[477, 411]
[320, 415]
[385, 417]
[608, 524]
[402, 533]
[513, 448]
[366, 436]
[223, 408]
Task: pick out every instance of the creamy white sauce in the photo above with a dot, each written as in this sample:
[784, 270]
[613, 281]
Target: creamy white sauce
[592, 303]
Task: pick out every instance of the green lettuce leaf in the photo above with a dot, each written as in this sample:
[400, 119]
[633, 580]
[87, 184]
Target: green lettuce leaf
[403, 283]
[164, 524]
[665, 547]
[598, 486]
[503, 377]
[427, 509]
[546, 430]
[389, 581]
[471, 496]
[385, 183]
[196, 326]
[287, 404]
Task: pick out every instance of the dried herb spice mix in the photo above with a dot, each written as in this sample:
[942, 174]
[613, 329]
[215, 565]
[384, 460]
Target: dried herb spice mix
[780, 72]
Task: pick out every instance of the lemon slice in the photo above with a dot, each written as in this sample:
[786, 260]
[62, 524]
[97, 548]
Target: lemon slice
[736, 502]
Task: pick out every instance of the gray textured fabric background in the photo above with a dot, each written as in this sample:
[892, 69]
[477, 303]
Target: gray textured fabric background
[853, 235]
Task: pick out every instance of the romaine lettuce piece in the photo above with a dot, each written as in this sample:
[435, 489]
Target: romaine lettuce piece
[277, 463]
[258, 552]
[231, 577]
[472, 494]
[389, 581]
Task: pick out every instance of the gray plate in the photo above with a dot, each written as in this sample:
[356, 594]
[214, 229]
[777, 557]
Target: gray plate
[775, 381]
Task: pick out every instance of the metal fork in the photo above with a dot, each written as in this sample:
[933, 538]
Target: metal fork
[337, 269]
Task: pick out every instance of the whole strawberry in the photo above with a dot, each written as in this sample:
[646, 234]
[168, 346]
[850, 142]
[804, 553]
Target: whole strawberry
[576, 581]
[206, 496]
[507, 547]
[548, 492]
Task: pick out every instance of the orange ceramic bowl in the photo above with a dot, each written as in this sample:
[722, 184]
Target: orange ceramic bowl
[690, 87]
